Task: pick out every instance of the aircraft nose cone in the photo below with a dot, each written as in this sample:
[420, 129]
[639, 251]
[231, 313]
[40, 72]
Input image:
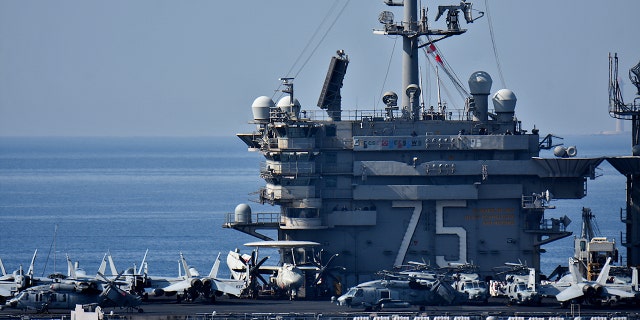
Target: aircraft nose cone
[344, 301]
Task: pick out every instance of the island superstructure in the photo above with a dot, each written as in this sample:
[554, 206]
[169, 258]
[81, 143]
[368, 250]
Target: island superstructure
[411, 182]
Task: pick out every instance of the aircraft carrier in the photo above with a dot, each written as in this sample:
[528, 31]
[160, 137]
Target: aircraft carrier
[411, 182]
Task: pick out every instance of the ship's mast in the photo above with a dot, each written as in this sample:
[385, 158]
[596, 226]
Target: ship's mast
[410, 72]
[411, 29]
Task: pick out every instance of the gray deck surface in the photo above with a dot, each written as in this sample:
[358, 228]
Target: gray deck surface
[496, 307]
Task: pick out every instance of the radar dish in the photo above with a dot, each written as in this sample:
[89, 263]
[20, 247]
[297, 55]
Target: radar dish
[390, 99]
[412, 89]
[480, 83]
[386, 17]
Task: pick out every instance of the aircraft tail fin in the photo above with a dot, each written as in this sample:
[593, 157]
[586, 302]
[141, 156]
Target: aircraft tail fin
[4, 272]
[33, 261]
[103, 265]
[71, 270]
[215, 268]
[575, 271]
[634, 278]
[185, 266]
[143, 263]
[604, 273]
[112, 265]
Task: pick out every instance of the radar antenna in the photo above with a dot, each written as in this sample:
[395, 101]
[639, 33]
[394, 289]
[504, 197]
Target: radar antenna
[330, 98]
[617, 108]
[410, 28]
[631, 166]
[634, 76]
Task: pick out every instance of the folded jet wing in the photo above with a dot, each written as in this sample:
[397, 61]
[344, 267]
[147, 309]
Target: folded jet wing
[228, 286]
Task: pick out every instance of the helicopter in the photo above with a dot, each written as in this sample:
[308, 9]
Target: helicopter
[400, 293]
[519, 286]
[67, 294]
[18, 280]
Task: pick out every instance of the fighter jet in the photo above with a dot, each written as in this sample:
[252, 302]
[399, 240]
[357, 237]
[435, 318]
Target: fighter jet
[191, 285]
[18, 280]
[599, 291]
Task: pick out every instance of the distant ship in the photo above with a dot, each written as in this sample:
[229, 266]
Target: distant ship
[412, 182]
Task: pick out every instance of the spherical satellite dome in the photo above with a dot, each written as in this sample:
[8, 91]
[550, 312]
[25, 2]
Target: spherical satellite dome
[285, 102]
[560, 151]
[242, 208]
[264, 102]
[261, 106]
[242, 214]
[504, 101]
[480, 83]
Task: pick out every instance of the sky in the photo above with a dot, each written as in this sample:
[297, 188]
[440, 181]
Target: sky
[193, 68]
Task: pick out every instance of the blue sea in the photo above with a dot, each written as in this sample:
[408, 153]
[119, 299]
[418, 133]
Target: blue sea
[86, 196]
[123, 195]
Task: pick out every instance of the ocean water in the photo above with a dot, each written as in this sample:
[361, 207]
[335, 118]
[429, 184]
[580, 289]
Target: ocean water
[170, 195]
[605, 197]
[123, 195]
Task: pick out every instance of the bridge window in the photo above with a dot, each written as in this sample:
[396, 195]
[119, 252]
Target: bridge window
[302, 212]
[295, 132]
